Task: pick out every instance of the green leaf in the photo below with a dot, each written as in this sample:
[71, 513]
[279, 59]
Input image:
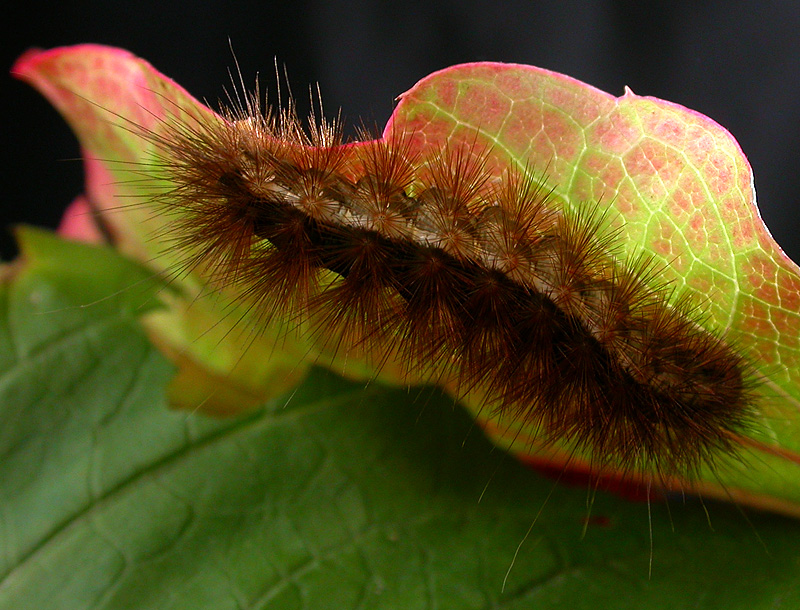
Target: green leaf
[333, 496]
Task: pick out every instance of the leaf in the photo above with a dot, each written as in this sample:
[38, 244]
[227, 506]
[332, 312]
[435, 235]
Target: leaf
[328, 497]
[684, 192]
[679, 183]
[110, 99]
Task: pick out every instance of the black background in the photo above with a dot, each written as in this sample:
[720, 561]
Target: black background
[737, 62]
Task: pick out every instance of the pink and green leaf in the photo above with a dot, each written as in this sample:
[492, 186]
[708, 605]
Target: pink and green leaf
[678, 184]
[683, 191]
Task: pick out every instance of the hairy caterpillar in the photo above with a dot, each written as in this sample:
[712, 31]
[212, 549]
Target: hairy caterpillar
[486, 276]
[439, 257]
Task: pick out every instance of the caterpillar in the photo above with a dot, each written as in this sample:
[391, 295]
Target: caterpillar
[458, 270]
[507, 291]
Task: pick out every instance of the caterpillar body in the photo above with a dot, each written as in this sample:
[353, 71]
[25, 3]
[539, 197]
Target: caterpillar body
[482, 277]
[436, 254]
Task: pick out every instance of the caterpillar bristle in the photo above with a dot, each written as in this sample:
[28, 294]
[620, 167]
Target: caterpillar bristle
[460, 273]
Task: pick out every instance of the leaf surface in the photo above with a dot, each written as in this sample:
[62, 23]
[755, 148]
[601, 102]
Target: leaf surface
[329, 497]
[677, 184]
